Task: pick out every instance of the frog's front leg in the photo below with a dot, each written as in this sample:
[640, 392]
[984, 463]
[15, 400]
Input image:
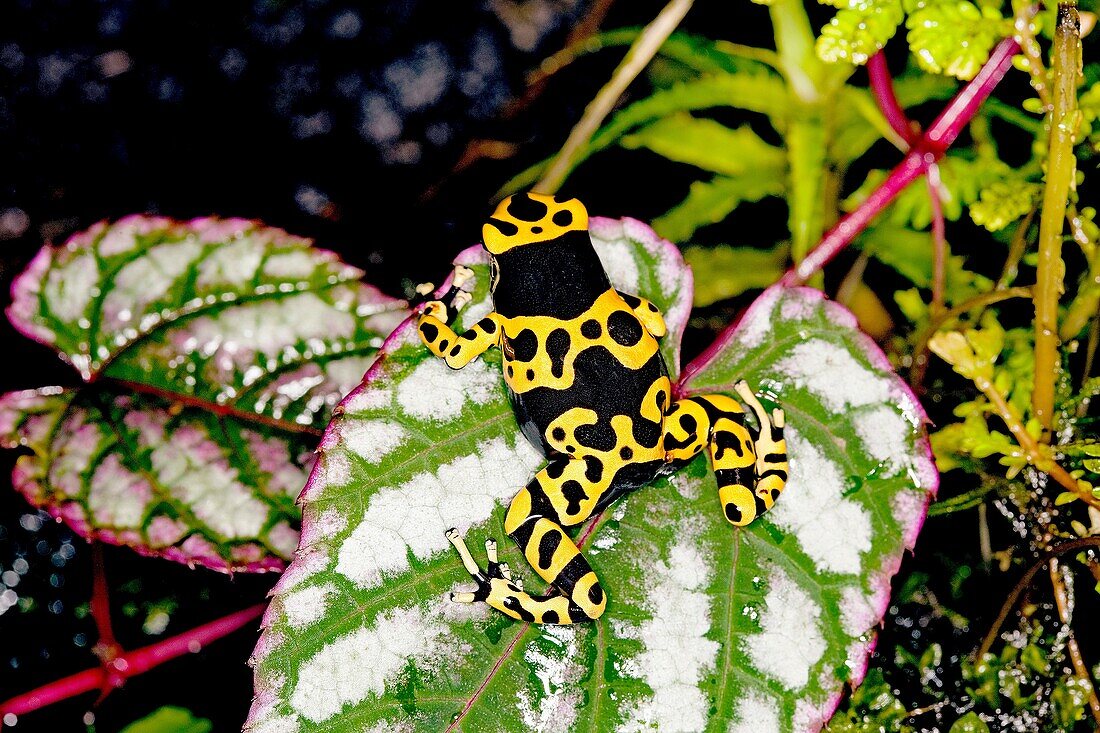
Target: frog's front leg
[533, 522]
[457, 350]
[647, 313]
[750, 466]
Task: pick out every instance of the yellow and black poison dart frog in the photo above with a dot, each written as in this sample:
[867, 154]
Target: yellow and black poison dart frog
[591, 391]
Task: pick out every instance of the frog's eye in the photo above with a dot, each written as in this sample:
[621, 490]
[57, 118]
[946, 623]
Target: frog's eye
[494, 274]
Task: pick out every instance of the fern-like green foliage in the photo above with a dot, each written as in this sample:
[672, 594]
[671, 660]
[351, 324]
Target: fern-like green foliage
[1003, 202]
[954, 37]
[1089, 105]
[859, 30]
[709, 202]
[709, 145]
[963, 179]
[951, 37]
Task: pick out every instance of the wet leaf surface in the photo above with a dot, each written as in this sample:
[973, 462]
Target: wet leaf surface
[707, 627]
[213, 352]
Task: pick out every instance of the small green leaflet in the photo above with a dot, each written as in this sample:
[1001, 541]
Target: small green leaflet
[707, 627]
[212, 353]
[723, 272]
[709, 202]
[709, 145]
[169, 719]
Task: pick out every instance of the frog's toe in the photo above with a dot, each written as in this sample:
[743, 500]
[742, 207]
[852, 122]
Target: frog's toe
[468, 561]
[461, 299]
[462, 275]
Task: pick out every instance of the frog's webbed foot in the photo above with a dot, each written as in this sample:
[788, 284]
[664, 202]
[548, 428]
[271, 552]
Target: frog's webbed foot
[494, 570]
[771, 426]
[497, 587]
[447, 306]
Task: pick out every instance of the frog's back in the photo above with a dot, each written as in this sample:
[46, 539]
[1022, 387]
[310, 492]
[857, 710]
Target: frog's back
[570, 340]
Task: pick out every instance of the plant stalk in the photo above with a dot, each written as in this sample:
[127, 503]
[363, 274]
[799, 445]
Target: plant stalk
[1032, 447]
[639, 55]
[939, 240]
[794, 39]
[1062, 601]
[929, 148]
[1025, 582]
[1061, 169]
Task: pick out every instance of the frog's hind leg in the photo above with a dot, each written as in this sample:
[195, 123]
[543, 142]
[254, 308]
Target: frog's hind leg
[564, 492]
[497, 588]
[771, 448]
[750, 466]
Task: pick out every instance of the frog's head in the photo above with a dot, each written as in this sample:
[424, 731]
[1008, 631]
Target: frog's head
[541, 258]
[527, 218]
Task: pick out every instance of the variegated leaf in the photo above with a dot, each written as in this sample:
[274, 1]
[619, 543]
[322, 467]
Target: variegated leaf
[707, 627]
[215, 351]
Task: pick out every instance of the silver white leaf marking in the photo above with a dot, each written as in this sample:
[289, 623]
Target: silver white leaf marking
[554, 661]
[886, 435]
[834, 376]
[358, 665]
[833, 530]
[756, 713]
[790, 641]
[306, 605]
[435, 392]
[414, 516]
[676, 654]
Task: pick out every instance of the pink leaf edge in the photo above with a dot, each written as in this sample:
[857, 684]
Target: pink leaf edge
[927, 472]
[194, 551]
[26, 286]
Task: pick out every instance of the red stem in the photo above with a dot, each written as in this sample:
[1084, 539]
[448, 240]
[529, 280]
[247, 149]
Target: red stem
[882, 85]
[101, 601]
[107, 648]
[927, 149]
[939, 240]
[130, 664]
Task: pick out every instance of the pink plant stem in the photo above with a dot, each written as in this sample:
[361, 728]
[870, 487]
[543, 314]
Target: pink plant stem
[131, 664]
[107, 647]
[101, 601]
[939, 240]
[927, 149]
[882, 85]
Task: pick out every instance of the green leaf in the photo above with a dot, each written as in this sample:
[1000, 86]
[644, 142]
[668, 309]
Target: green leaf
[709, 202]
[909, 253]
[215, 351]
[707, 627]
[709, 145]
[701, 54]
[1003, 202]
[170, 719]
[725, 272]
[806, 151]
[954, 37]
[859, 30]
[756, 92]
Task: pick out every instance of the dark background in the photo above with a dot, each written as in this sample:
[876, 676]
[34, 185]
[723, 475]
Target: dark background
[340, 121]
